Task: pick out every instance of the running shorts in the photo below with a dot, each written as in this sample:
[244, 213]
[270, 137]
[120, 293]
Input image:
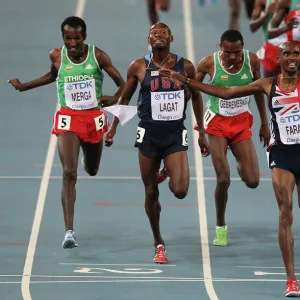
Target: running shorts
[161, 141]
[89, 125]
[234, 129]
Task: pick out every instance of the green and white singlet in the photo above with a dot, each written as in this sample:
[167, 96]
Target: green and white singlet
[79, 85]
[221, 77]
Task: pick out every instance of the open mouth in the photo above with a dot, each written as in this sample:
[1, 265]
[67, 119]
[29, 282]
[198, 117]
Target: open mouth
[159, 41]
[73, 49]
[292, 65]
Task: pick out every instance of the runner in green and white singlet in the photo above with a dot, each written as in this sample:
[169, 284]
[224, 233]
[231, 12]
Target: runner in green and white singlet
[79, 122]
[221, 77]
[79, 86]
[228, 123]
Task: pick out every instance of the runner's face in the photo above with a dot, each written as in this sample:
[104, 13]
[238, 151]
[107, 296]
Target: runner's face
[232, 52]
[73, 40]
[289, 58]
[160, 37]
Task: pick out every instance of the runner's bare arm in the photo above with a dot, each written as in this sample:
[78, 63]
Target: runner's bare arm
[264, 132]
[259, 98]
[204, 67]
[105, 63]
[259, 15]
[197, 102]
[130, 87]
[280, 12]
[259, 86]
[152, 13]
[45, 79]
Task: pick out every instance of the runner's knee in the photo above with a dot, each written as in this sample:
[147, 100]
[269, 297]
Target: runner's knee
[92, 171]
[70, 174]
[180, 192]
[152, 194]
[252, 183]
[223, 181]
[179, 186]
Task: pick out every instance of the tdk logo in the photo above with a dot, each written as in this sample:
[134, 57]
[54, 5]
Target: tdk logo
[168, 96]
[290, 119]
[79, 85]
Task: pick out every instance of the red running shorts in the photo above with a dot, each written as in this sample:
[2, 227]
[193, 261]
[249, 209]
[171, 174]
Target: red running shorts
[234, 129]
[89, 125]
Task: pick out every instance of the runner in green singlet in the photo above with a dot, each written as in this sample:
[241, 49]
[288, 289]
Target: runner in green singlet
[78, 70]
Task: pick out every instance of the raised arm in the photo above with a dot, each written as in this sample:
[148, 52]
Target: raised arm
[105, 63]
[45, 79]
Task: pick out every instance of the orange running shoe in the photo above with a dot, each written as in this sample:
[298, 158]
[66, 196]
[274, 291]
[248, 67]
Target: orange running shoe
[292, 289]
[160, 256]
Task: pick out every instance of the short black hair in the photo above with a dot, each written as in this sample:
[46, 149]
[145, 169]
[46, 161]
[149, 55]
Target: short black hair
[74, 22]
[232, 35]
[163, 25]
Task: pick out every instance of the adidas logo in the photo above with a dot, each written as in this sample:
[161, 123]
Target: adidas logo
[244, 76]
[89, 67]
[276, 102]
[272, 164]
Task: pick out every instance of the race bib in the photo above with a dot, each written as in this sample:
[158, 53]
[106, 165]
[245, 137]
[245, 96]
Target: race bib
[184, 138]
[140, 134]
[100, 122]
[81, 95]
[289, 128]
[64, 122]
[233, 106]
[208, 116]
[167, 106]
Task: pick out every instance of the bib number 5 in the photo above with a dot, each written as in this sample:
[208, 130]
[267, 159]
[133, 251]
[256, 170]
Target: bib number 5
[64, 122]
[140, 134]
[100, 122]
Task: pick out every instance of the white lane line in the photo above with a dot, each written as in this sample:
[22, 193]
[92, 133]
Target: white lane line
[7, 177]
[25, 285]
[149, 280]
[189, 39]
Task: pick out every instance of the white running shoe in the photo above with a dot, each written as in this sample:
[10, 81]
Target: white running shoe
[69, 240]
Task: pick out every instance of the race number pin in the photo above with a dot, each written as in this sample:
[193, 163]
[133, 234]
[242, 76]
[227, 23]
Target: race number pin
[154, 73]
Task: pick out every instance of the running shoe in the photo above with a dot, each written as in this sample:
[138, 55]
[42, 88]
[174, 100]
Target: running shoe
[160, 256]
[292, 289]
[69, 240]
[221, 236]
